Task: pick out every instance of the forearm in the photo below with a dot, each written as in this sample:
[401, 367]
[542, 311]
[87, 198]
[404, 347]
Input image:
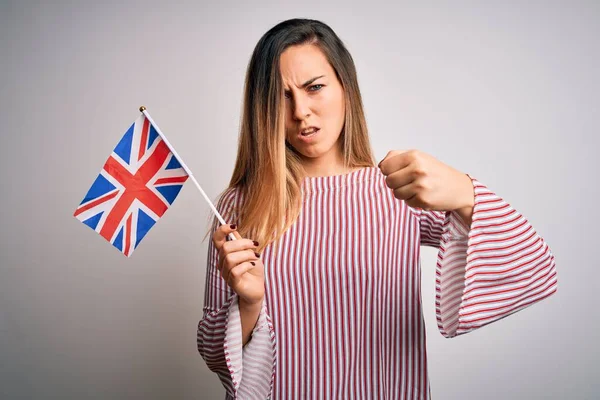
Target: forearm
[466, 214]
[468, 201]
[249, 316]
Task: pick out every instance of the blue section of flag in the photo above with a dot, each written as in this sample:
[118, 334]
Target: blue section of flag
[152, 135]
[93, 222]
[118, 243]
[123, 149]
[173, 164]
[100, 187]
[170, 192]
[145, 222]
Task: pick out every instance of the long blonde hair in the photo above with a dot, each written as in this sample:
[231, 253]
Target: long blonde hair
[268, 172]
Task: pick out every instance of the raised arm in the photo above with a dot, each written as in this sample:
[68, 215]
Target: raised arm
[491, 261]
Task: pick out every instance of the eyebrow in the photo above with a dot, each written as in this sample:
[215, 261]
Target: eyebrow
[308, 82]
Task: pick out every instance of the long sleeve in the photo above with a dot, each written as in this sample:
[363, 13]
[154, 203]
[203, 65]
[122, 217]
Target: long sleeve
[246, 372]
[497, 266]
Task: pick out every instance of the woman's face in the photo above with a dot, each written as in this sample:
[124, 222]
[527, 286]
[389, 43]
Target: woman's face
[314, 97]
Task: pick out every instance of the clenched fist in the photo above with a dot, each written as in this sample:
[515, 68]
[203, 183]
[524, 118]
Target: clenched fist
[424, 182]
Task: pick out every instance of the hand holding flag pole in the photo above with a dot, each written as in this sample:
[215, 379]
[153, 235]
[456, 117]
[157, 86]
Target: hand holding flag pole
[137, 184]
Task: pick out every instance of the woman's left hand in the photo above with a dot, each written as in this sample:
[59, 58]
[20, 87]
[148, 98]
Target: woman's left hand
[424, 182]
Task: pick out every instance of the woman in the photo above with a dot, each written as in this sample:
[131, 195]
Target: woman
[319, 296]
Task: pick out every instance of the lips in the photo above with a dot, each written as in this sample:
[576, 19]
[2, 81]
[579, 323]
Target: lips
[308, 131]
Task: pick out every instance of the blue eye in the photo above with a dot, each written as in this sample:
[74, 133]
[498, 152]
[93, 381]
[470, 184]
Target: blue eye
[315, 86]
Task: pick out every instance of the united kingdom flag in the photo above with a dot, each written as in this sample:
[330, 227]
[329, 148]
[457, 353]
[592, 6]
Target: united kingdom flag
[138, 183]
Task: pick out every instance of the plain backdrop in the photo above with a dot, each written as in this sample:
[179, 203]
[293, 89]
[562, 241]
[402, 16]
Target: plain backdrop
[506, 92]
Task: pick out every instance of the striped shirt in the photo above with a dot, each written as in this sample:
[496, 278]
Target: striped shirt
[342, 316]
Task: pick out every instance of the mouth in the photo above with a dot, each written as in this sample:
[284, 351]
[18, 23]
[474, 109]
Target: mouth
[308, 132]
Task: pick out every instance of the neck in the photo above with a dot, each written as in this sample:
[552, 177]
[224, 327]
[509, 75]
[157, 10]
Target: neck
[331, 164]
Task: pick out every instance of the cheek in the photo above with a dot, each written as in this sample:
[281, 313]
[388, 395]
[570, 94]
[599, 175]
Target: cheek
[289, 120]
[335, 109]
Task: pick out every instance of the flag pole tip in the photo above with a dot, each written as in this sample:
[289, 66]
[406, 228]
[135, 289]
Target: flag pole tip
[142, 108]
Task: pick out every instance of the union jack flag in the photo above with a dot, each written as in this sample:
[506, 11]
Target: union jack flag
[138, 183]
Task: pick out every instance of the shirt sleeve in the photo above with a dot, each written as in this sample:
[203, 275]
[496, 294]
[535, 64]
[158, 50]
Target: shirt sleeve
[247, 371]
[497, 266]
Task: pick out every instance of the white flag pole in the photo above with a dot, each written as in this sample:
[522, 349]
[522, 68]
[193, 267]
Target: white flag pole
[187, 170]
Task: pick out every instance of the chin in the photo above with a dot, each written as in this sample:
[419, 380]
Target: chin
[311, 152]
[316, 150]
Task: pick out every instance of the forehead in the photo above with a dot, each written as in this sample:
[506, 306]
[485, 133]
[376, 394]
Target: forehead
[301, 62]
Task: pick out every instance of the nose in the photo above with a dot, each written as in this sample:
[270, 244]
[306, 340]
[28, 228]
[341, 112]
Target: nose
[301, 107]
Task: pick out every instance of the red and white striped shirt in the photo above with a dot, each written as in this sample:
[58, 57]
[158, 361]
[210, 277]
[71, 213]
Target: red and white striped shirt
[342, 317]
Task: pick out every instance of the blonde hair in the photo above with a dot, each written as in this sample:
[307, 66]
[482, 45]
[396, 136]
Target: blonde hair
[268, 172]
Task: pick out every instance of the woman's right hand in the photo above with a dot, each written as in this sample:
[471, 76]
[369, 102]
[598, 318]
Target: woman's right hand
[240, 265]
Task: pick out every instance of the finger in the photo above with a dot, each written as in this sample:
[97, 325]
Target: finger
[228, 268]
[230, 260]
[395, 160]
[412, 194]
[221, 233]
[237, 246]
[386, 157]
[417, 203]
[400, 178]
[236, 273]
[406, 192]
